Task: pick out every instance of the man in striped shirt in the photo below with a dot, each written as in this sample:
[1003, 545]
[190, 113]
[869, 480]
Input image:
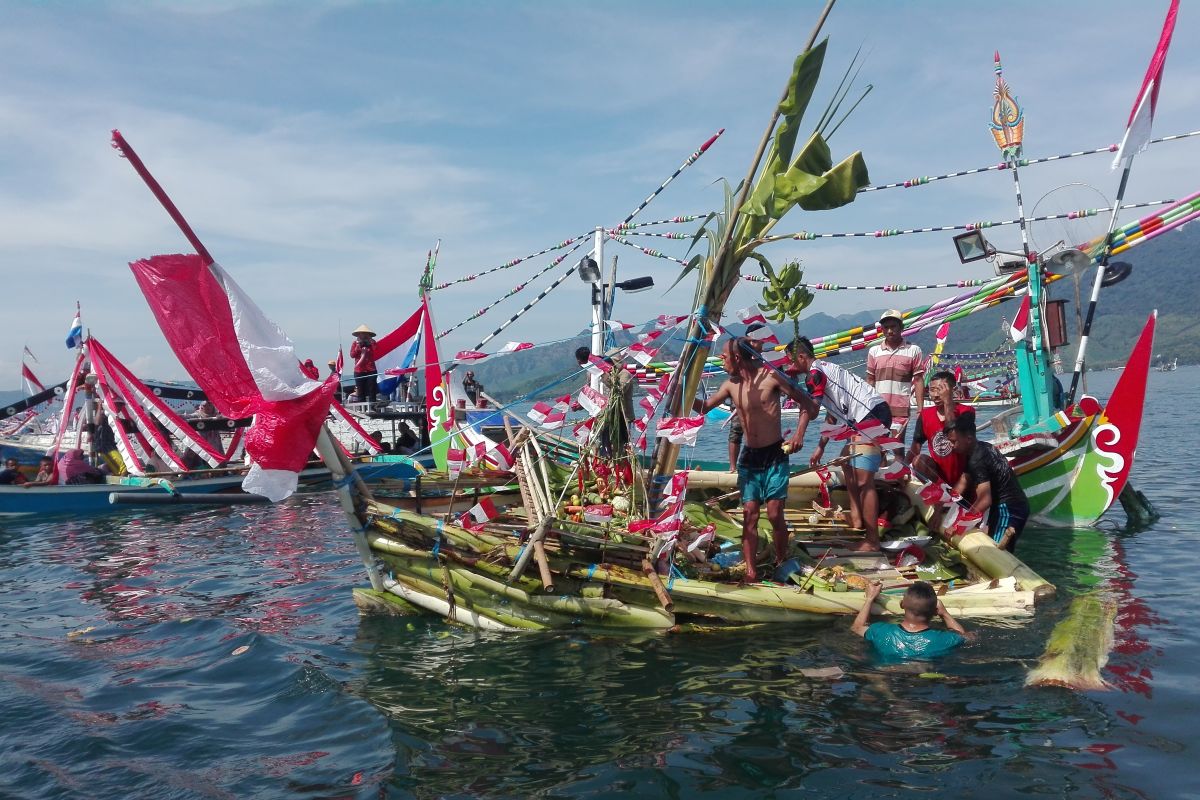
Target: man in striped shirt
[896, 368]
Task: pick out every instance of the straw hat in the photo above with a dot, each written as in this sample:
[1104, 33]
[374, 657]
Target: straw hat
[332, 362]
[363, 330]
[892, 313]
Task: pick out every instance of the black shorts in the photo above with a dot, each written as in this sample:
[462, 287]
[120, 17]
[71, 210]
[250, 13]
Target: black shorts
[1003, 516]
[762, 457]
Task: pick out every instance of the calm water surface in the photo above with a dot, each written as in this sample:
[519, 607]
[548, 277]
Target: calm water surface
[218, 654]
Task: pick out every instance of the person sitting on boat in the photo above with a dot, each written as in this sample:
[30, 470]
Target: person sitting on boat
[911, 637]
[896, 370]
[45, 476]
[472, 387]
[844, 392]
[73, 468]
[11, 475]
[763, 473]
[365, 371]
[618, 384]
[941, 462]
[997, 493]
[736, 432]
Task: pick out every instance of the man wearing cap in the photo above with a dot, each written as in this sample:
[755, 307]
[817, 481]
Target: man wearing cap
[896, 369]
[363, 352]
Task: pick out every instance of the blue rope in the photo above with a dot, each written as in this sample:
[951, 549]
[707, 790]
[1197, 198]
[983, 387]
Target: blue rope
[437, 545]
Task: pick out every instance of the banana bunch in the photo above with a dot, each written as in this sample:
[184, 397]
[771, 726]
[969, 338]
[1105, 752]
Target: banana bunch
[783, 297]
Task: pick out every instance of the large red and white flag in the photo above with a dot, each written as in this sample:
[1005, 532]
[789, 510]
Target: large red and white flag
[1141, 118]
[244, 363]
[483, 511]
[1019, 328]
[592, 401]
[680, 430]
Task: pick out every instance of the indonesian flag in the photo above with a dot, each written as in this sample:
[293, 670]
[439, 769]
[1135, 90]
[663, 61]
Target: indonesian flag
[648, 336]
[244, 363]
[597, 366]
[583, 431]
[618, 326]
[664, 321]
[601, 514]
[501, 457]
[943, 331]
[680, 430]
[592, 401]
[1020, 324]
[32, 384]
[874, 430]
[483, 511]
[836, 431]
[515, 347]
[705, 538]
[550, 416]
[469, 355]
[456, 460]
[896, 471]
[934, 493]
[1141, 118]
[477, 451]
[642, 354]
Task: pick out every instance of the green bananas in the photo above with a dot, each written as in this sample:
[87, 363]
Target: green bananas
[783, 297]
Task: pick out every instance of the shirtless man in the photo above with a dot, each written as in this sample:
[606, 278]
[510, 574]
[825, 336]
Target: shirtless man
[763, 474]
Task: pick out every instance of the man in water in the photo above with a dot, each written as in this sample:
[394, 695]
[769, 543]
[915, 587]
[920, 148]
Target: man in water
[763, 473]
[997, 493]
[849, 396]
[911, 637]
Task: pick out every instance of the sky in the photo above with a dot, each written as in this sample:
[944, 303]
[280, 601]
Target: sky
[321, 148]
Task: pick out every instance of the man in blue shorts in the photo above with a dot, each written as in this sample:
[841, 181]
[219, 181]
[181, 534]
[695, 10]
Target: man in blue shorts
[763, 473]
[911, 637]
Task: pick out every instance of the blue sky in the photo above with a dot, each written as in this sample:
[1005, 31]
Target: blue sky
[320, 149]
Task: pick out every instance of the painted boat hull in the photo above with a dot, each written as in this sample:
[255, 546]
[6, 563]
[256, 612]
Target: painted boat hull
[92, 498]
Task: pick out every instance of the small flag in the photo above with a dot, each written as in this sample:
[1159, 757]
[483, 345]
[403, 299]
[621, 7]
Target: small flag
[836, 431]
[478, 451]
[592, 401]
[872, 429]
[515, 347]
[29, 353]
[340, 363]
[483, 511]
[942, 332]
[618, 326]
[642, 354]
[702, 541]
[1020, 324]
[455, 461]
[75, 334]
[597, 366]
[642, 443]
[663, 321]
[896, 471]
[934, 493]
[648, 336]
[469, 355]
[32, 384]
[681, 430]
[583, 431]
[501, 457]
[599, 513]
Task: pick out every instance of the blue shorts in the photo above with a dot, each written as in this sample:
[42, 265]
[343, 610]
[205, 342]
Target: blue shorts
[763, 473]
[868, 462]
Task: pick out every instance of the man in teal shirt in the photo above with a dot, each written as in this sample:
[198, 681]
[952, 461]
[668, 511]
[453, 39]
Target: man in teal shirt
[912, 637]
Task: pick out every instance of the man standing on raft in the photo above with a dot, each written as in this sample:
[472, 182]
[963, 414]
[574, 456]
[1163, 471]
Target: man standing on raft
[762, 466]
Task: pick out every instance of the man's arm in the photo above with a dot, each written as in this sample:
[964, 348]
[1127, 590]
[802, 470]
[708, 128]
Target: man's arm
[918, 384]
[861, 622]
[983, 498]
[713, 400]
[952, 623]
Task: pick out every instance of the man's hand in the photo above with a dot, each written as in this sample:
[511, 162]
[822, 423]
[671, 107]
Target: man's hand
[875, 587]
[816, 456]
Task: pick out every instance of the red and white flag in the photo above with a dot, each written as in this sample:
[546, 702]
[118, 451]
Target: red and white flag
[583, 431]
[872, 429]
[456, 460]
[681, 430]
[648, 336]
[515, 347]
[244, 363]
[483, 511]
[1019, 328]
[32, 384]
[597, 366]
[642, 354]
[836, 431]
[942, 332]
[896, 471]
[469, 356]
[1141, 118]
[618, 326]
[592, 401]
[501, 457]
[664, 321]
[600, 514]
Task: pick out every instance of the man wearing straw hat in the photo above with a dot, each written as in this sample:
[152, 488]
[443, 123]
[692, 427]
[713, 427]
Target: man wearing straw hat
[363, 353]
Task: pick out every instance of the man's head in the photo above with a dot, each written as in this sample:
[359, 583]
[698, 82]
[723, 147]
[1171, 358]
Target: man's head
[11, 463]
[892, 323]
[962, 434]
[582, 354]
[46, 463]
[801, 351]
[208, 408]
[941, 385]
[733, 360]
[920, 601]
[470, 374]
[754, 327]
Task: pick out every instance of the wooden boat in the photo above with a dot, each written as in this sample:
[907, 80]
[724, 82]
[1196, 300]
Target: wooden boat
[93, 498]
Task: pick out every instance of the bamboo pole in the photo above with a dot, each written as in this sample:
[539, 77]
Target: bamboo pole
[660, 591]
[333, 459]
[539, 555]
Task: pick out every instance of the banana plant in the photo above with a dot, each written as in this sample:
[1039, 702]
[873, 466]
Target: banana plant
[784, 297]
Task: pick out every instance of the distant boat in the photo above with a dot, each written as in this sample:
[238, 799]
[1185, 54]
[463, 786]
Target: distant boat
[1168, 366]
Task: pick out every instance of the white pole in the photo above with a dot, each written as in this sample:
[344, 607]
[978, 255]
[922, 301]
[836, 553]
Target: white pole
[598, 303]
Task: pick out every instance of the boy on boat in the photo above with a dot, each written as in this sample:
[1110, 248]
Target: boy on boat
[997, 493]
[844, 392]
[941, 462]
[763, 472]
[911, 637]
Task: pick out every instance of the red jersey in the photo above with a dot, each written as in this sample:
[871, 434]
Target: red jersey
[930, 429]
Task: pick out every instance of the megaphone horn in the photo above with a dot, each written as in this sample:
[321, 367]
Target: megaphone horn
[1068, 261]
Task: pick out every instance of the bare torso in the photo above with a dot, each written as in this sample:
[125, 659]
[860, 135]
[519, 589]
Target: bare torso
[756, 398]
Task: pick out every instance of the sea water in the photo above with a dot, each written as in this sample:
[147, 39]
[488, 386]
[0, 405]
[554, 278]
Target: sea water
[218, 654]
